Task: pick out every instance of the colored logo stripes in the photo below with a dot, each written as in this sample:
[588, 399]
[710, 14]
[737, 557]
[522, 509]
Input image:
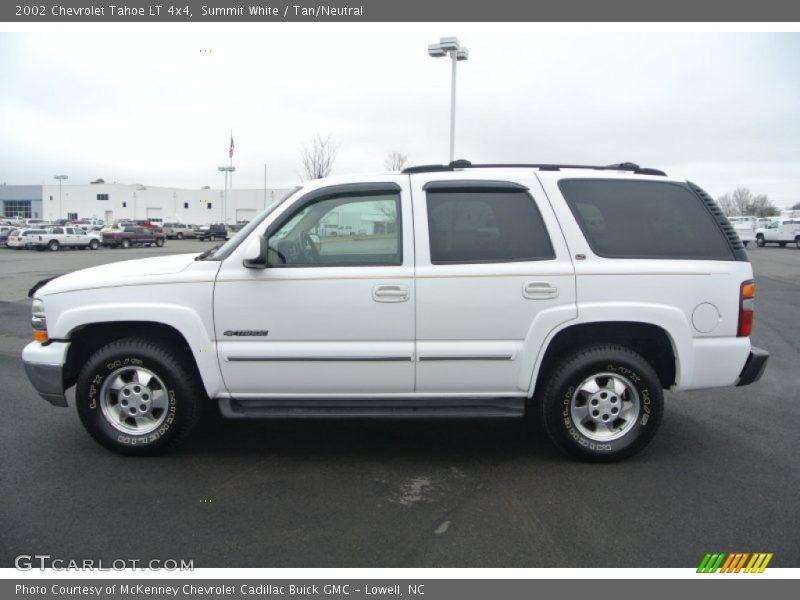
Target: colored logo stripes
[735, 562]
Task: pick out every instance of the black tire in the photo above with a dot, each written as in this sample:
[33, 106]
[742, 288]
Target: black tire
[53, 246]
[560, 394]
[160, 242]
[182, 393]
[179, 236]
[126, 244]
[760, 241]
[94, 245]
[797, 241]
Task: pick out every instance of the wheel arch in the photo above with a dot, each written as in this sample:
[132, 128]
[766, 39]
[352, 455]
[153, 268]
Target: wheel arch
[652, 341]
[87, 338]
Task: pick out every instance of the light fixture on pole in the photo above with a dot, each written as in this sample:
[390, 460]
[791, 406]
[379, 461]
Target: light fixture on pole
[60, 179]
[229, 169]
[450, 46]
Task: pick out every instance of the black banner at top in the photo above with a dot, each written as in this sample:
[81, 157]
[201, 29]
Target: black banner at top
[137, 11]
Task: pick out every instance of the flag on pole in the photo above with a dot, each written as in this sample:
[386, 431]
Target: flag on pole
[230, 151]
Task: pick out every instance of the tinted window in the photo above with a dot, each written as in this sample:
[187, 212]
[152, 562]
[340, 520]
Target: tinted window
[358, 228]
[642, 219]
[485, 225]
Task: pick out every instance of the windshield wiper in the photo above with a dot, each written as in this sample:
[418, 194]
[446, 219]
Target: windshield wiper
[207, 253]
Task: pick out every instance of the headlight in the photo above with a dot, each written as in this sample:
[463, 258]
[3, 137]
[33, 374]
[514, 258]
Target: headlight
[38, 321]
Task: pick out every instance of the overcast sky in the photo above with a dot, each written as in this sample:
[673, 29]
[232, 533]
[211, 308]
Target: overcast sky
[150, 107]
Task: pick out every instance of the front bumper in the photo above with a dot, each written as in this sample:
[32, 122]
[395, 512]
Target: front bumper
[44, 365]
[754, 367]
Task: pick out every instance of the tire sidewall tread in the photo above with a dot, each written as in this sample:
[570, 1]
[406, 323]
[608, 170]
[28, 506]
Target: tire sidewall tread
[183, 391]
[560, 386]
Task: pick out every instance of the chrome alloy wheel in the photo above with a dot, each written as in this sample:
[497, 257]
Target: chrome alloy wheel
[134, 400]
[605, 407]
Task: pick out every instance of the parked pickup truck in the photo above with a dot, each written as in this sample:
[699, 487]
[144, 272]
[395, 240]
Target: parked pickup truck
[132, 236]
[745, 228]
[56, 238]
[782, 232]
[579, 293]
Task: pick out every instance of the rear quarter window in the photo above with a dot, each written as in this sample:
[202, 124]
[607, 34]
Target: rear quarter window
[643, 219]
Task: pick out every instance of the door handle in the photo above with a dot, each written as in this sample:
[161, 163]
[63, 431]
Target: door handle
[390, 293]
[539, 290]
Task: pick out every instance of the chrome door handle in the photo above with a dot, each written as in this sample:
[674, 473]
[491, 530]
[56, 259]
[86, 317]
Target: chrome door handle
[390, 293]
[539, 290]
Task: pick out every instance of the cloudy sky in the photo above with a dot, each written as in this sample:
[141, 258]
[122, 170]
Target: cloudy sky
[155, 105]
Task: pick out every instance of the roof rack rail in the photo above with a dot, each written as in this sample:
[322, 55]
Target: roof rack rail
[465, 164]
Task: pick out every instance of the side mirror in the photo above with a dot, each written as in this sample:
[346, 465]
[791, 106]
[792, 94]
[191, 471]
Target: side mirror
[255, 255]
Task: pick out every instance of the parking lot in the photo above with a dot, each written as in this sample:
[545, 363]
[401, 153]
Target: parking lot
[722, 475]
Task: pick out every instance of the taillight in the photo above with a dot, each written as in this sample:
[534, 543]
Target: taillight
[747, 296]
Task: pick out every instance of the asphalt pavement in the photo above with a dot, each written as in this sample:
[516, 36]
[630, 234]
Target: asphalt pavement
[722, 475]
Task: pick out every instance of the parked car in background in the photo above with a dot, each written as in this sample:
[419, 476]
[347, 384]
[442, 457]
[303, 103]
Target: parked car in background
[215, 231]
[133, 236]
[56, 238]
[35, 222]
[177, 231]
[4, 231]
[20, 238]
[745, 228]
[782, 232]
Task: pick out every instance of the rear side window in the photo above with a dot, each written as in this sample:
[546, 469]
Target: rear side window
[642, 219]
[484, 225]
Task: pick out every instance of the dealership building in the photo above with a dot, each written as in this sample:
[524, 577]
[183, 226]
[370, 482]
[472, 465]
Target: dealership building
[115, 201]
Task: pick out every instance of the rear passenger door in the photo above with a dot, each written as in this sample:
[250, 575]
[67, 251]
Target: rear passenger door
[493, 279]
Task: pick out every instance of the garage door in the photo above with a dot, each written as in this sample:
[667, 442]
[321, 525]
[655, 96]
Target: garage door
[245, 214]
[154, 215]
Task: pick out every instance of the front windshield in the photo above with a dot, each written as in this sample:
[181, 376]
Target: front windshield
[225, 249]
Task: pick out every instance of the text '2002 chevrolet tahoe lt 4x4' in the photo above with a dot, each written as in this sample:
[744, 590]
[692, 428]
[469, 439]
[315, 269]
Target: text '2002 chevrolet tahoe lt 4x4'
[457, 290]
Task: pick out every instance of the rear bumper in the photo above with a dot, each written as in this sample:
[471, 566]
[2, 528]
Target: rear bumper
[44, 366]
[754, 367]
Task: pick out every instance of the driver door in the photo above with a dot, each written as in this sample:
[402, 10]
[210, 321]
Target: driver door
[333, 313]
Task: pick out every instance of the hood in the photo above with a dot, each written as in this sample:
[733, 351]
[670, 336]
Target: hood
[128, 272]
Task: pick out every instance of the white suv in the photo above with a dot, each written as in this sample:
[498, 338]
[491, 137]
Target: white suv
[457, 290]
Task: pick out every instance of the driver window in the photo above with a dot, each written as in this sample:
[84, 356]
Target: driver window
[343, 230]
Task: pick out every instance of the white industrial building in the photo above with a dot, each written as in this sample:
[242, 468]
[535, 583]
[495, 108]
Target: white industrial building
[113, 201]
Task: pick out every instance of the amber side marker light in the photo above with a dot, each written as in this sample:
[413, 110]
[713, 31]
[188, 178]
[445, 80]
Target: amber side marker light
[747, 295]
[40, 336]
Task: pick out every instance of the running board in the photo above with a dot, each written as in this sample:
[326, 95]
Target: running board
[372, 408]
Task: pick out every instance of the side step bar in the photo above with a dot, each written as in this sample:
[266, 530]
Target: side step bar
[372, 408]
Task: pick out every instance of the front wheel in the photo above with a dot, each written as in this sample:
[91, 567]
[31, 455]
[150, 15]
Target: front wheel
[94, 245]
[136, 396]
[603, 403]
[760, 241]
[126, 244]
[797, 241]
[179, 236]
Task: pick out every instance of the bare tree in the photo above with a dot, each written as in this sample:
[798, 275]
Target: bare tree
[318, 156]
[395, 161]
[796, 206]
[743, 202]
[726, 204]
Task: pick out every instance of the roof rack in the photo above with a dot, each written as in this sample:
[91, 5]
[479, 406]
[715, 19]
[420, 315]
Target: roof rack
[465, 164]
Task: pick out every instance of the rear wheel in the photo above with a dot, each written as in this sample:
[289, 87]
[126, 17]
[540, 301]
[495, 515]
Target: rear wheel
[603, 403]
[94, 244]
[136, 396]
[53, 246]
[126, 243]
[179, 236]
[797, 241]
[160, 242]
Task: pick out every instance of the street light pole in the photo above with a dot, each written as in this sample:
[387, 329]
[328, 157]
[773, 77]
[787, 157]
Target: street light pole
[450, 46]
[229, 169]
[60, 179]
